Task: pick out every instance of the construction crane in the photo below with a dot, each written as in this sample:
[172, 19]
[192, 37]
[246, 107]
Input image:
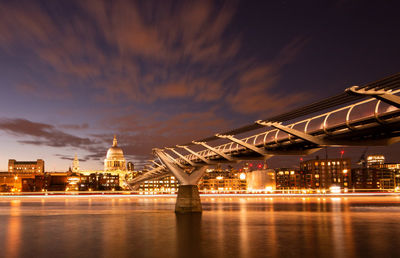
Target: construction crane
[363, 161]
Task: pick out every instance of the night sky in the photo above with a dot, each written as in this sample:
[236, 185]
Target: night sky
[158, 73]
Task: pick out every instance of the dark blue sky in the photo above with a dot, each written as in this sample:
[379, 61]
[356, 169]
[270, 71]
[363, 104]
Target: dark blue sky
[158, 73]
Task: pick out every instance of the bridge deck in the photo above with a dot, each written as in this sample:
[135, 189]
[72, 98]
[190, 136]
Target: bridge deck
[365, 122]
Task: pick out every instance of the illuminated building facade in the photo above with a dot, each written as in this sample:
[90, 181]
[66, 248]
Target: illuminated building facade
[114, 166]
[99, 182]
[323, 174]
[377, 175]
[219, 181]
[375, 178]
[375, 160]
[392, 166]
[115, 160]
[261, 180]
[164, 185]
[26, 167]
[75, 182]
[289, 179]
[11, 182]
[21, 174]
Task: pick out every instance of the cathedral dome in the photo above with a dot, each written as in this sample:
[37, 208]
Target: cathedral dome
[115, 159]
[115, 153]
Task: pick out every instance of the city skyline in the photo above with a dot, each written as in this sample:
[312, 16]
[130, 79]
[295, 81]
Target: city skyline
[199, 128]
[73, 74]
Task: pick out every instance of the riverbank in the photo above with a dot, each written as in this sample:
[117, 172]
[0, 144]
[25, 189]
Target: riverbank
[132, 194]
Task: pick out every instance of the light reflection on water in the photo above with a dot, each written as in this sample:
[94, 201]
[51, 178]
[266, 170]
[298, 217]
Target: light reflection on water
[229, 227]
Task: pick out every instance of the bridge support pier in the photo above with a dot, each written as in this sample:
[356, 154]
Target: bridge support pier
[188, 199]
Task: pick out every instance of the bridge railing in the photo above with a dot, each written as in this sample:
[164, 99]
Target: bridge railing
[330, 122]
[363, 114]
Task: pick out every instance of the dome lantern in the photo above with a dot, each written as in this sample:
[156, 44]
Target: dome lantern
[115, 142]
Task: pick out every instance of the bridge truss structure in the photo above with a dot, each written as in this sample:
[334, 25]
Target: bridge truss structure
[366, 115]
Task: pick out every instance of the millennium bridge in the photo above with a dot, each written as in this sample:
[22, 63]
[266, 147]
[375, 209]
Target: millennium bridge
[367, 115]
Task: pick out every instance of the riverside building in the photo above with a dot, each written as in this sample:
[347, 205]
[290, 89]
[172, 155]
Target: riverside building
[288, 179]
[20, 175]
[222, 181]
[323, 174]
[164, 185]
[375, 160]
[25, 167]
[261, 180]
[377, 175]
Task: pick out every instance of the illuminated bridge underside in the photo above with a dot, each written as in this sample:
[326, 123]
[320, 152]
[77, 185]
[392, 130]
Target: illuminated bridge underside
[370, 118]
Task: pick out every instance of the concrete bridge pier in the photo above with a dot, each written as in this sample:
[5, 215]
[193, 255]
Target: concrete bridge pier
[188, 200]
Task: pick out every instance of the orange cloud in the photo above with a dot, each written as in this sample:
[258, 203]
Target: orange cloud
[144, 52]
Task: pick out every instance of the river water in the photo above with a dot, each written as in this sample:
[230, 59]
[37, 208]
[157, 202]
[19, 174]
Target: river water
[229, 227]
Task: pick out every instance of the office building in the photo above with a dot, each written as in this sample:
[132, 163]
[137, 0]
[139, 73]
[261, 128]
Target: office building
[289, 179]
[25, 167]
[223, 181]
[164, 185]
[322, 174]
[375, 160]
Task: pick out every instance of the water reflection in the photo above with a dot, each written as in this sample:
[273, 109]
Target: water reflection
[13, 240]
[188, 230]
[228, 227]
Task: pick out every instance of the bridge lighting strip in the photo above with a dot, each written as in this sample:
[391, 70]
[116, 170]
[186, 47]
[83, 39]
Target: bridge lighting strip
[87, 196]
[202, 195]
[302, 195]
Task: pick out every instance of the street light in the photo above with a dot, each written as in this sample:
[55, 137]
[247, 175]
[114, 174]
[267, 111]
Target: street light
[15, 181]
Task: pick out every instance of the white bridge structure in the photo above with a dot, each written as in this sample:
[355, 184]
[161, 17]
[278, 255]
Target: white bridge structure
[366, 115]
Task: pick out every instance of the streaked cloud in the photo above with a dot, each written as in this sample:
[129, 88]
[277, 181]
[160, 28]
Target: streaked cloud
[258, 92]
[42, 134]
[138, 51]
[179, 61]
